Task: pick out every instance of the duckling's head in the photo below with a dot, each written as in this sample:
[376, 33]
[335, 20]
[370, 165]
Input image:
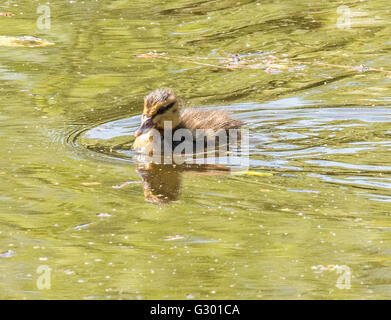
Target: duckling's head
[159, 106]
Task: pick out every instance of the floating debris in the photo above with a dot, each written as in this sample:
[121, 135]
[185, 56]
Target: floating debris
[176, 237]
[89, 184]
[69, 272]
[254, 173]
[273, 70]
[82, 226]
[7, 254]
[235, 58]
[259, 60]
[6, 14]
[153, 54]
[103, 215]
[24, 41]
[125, 184]
[361, 68]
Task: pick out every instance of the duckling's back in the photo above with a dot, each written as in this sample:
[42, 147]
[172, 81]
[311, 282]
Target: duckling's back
[208, 119]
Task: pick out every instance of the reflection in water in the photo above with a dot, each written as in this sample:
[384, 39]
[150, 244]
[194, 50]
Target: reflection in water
[162, 182]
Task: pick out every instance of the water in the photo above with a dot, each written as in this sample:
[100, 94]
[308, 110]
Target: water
[73, 197]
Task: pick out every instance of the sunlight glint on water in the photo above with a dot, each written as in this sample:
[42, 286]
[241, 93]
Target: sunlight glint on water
[317, 199]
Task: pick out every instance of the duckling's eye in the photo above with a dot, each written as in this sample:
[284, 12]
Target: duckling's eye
[164, 109]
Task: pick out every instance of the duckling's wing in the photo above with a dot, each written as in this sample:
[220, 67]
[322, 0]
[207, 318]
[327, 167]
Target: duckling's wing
[208, 119]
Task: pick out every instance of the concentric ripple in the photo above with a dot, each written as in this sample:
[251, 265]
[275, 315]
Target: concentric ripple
[336, 144]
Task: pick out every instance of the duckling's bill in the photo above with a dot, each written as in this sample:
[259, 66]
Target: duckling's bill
[145, 126]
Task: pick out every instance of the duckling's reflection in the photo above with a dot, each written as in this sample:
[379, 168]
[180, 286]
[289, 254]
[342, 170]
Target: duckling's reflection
[162, 182]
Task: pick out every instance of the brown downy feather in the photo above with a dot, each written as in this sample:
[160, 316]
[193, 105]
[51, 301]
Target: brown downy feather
[208, 119]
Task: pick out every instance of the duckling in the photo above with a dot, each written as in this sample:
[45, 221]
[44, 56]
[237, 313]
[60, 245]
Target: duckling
[162, 105]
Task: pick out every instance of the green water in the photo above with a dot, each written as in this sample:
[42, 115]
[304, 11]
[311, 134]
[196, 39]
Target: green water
[322, 135]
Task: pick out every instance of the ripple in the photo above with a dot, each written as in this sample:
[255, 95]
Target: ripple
[290, 134]
[325, 163]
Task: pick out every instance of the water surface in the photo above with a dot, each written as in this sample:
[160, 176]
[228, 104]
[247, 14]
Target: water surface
[72, 197]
